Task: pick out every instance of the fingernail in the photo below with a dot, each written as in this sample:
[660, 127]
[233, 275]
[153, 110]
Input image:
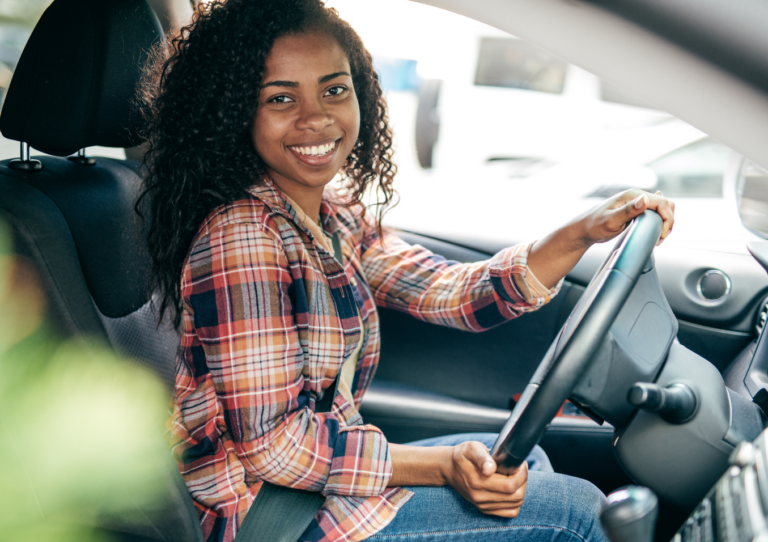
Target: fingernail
[488, 464]
[639, 202]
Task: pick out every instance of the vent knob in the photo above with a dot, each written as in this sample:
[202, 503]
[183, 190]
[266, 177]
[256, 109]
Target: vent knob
[714, 285]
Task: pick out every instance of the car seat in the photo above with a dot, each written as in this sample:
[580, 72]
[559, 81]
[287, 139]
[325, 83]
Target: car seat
[73, 218]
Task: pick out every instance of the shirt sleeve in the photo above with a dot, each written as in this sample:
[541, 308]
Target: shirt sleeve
[241, 295]
[469, 296]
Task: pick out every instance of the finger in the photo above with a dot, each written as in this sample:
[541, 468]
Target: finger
[620, 216]
[510, 501]
[478, 455]
[636, 207]
[500, 487]
[496, 488]
[492, 506]
[516, 499]
[666, 210]
[489, 500]
[495, 507]
[655, 202]
[505, 513]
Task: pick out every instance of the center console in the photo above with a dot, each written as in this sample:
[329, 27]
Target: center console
[735, 509]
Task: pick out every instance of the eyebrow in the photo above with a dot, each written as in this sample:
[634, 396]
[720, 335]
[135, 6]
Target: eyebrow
[294, 84]
[326, 78]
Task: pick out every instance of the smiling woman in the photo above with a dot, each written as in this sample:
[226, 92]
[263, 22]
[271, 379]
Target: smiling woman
[308, 118]
[275, 279]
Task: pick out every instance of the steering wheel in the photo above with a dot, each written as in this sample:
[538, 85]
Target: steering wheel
[574, 347]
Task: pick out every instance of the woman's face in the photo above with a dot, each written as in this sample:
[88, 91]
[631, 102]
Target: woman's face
[307, 118]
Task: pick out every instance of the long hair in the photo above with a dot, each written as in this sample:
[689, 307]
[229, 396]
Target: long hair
[198, 98]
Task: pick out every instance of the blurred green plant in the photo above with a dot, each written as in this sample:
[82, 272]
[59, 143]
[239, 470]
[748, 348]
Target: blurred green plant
[80, 429]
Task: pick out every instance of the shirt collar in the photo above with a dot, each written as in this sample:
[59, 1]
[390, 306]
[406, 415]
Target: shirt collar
[274, 198]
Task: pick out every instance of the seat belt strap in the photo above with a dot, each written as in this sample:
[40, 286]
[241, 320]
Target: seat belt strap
[282, 514]
[336, 242]
[279, 514]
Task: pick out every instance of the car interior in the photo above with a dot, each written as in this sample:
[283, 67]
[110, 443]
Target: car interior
[657, 354]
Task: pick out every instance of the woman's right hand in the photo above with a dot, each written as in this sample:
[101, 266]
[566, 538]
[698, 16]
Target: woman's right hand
[472, 472]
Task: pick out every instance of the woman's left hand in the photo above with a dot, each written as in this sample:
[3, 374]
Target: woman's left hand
[606, 221]
[552, 257]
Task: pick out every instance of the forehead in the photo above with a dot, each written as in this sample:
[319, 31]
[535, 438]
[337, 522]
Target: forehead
[305, 55]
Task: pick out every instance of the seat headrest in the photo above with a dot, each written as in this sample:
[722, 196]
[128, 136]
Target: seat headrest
[75, 83]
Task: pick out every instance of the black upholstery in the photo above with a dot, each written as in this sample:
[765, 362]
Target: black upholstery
[106, 236]
[73, 88]
[75, 80]
[76, 224]
[59, 231]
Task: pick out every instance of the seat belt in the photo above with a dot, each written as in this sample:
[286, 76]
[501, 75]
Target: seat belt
[282, 514]
[279, 513]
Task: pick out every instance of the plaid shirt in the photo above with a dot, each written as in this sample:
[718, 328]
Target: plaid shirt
[269, 316]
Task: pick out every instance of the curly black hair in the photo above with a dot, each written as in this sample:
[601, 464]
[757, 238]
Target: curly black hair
[198, 99]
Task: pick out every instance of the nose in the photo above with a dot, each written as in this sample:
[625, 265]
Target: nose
[314, 116]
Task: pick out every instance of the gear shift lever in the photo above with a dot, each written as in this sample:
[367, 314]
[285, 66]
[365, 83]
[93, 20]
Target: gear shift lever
[629, 514]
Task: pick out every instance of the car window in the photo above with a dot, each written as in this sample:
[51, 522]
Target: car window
[513, 63]
[753, 197]
[17, 19]
[695, 170]
[509, 121]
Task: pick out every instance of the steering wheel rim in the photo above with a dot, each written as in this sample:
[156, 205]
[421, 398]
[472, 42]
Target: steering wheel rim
[574, 346]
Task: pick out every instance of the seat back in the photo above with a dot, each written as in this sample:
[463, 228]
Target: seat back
[76, 224]
[73, 88]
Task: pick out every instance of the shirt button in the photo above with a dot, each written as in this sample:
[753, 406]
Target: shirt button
[353, 281]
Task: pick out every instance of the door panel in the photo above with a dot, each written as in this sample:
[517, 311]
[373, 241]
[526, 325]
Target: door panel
[575, 446]
[485, 368]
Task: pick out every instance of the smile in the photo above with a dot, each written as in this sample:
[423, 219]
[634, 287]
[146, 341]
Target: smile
[315, 150]
[316, 155]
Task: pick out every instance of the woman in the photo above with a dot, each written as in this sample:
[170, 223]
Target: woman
[275, 280]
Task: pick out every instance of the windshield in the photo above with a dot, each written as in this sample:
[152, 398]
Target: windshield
[482, 118]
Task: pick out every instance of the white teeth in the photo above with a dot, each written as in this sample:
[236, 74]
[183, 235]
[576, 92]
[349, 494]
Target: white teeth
[316, 150]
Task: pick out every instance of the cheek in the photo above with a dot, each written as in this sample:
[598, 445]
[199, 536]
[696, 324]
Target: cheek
[264, 135]
[352, 122]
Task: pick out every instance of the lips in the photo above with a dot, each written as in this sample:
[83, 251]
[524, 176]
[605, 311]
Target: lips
[316, 153]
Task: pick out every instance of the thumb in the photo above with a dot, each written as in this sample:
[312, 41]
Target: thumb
[627, 212]
[479, 456]
[636, 206]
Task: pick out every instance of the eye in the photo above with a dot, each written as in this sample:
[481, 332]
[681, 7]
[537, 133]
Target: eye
[338, 90]
[280, 99]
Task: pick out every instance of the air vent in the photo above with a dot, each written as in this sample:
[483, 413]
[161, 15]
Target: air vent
[713, 285]
[762, 317]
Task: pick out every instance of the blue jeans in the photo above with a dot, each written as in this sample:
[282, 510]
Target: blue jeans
[557, 508]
